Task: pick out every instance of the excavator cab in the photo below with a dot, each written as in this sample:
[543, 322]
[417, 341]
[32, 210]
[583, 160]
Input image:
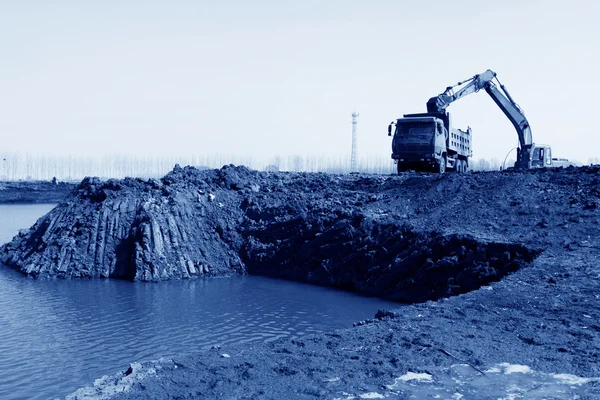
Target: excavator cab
[541, 156]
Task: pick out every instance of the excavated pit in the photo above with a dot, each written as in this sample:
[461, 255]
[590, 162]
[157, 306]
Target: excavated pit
[312, 228]
[380, 260]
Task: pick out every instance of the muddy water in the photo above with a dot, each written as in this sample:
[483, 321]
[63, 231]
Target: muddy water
[56, 335]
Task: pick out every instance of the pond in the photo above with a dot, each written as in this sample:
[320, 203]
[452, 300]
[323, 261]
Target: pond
[57, 335]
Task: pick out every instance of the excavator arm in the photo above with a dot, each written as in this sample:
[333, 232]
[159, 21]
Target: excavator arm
[502, 99]
[439, 103]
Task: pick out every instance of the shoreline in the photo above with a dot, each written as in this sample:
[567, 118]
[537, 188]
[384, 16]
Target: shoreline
[490, 343]
[34, 192]
[529, 332]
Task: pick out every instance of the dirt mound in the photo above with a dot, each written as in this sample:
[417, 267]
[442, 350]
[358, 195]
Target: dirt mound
[132, 229]
[411, 237]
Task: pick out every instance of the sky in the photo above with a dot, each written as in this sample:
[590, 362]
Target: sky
[265, 78]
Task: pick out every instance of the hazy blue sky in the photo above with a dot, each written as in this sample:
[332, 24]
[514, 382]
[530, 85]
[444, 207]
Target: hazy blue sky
[282, 77]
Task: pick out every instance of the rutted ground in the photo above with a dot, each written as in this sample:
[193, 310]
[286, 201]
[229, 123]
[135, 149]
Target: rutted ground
[412, 237]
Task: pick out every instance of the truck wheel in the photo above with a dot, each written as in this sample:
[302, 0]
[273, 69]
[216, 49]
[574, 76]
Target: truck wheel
[401, 168]
[441, 165]
[465, 166]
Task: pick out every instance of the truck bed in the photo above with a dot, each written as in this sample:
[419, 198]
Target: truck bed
[460, 142]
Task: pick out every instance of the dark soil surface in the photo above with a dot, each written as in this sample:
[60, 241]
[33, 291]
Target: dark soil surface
[502, 269]
[313, 228]
[542, 320]
[40, 192]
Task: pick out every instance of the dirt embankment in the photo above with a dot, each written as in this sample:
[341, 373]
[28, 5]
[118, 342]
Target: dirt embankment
[530, 238]
[28, 192]
[314, 228]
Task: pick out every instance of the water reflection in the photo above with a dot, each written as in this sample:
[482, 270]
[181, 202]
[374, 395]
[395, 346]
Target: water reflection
[56, 335]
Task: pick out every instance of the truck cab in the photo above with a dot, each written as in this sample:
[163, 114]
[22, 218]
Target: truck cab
[418, 142]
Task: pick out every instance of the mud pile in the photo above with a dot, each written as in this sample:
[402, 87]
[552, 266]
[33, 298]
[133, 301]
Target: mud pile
[133, 229]
[412, 237]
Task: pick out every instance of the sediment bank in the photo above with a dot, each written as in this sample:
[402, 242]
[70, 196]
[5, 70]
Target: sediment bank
[197, 223]
[34, 192]
[512, 255]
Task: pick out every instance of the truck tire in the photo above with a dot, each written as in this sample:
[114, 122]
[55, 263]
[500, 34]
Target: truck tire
[401, 168]
[441, 165]
[465, 166]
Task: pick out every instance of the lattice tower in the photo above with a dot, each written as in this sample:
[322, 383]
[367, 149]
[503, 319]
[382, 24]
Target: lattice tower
[354, 154]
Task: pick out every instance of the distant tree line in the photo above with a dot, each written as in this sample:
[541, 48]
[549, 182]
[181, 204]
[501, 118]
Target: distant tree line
[15, 166]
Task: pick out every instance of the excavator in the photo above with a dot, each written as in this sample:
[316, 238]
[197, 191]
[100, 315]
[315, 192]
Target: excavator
[529, 155]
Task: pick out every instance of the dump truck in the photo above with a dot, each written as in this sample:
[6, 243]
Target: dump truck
[428, 142]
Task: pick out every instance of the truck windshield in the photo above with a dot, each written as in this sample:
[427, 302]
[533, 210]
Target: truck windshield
[416, 128]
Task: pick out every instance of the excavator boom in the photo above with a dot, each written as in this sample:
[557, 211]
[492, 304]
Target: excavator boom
[438, 104]
[501, 97]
